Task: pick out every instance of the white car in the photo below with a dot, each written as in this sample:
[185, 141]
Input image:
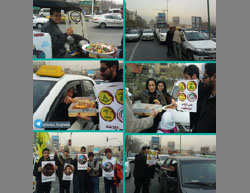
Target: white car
[132, 35]
[131, 157]
[147, 34]
[44, 12]
[48, 93]
[162, 158]
[108, 20]
[161, 34]
[127, 169]
[114, 11]
[38, 22]
[197, 46]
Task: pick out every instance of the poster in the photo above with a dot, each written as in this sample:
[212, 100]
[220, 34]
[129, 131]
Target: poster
[82, 162]
[108, 169]
[151, 157]
[49, 172]
[110, 102]
[187, 95]
[68, 172]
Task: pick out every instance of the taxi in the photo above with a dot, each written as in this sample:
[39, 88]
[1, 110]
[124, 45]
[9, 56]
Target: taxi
[50, 85]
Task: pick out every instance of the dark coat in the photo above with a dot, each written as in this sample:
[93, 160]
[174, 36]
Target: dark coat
[60, 163]
[141, 169]
[58, 39]
[169, 38]
[207, 120]
[144, 97]
[37, 174]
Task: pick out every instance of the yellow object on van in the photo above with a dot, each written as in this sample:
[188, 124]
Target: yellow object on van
[52, 71]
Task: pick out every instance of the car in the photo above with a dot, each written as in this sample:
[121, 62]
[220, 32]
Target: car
[127, 168]
[132, 35]
[49, 90]
[131, 157]
[44, 12]
[187, 174]
[38, 22]
[114, 11]
[98, 81]
[161, 34]
[197, 46]
[108, 20]
[147, 34]
[162, 158]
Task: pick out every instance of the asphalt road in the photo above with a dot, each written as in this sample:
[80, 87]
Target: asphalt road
[147, 51]
[130, 187]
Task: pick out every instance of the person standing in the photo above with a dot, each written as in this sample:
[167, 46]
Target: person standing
[177, 40]
[169, 41]
[93, 171]
[60, 162]
[109, 70]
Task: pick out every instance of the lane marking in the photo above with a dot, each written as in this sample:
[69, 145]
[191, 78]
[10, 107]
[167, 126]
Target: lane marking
[133, 52]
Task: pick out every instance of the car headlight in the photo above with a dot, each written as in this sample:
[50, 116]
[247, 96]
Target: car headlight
[199, 50]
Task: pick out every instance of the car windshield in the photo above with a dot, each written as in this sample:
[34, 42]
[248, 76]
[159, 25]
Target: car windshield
[133, 32]
[40, 90]
[198, 173]
[131, 155]
[175, 92]
[148, 31]
[195, 36]
[162, 157]
[163, 30]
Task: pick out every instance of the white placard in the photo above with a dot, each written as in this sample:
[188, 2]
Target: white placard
[49, 172]
[108, 168]
[68, 172]
[82, 162]
[151, 157]
[187, 95]
[110, 103]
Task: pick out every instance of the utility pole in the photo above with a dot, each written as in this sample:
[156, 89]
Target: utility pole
[167, 9]
[208, 20]
[180, 144]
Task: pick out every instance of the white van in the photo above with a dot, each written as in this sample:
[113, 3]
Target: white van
[44, 12]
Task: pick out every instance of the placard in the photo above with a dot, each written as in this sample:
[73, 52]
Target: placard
[110, 102]
[187, 95]
[151, 157]
[108, 169]
[68, 172]
[82, 162]
[49, 172]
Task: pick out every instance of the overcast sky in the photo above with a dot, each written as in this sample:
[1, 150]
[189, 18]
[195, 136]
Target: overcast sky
[85, 139]
[195, 141]
[182, 8]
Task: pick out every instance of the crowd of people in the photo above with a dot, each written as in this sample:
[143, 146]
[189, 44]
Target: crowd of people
[202, 121]
[84, 181]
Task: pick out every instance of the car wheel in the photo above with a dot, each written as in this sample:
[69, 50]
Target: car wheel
[102, 25]
[39, 26]
[189, 55]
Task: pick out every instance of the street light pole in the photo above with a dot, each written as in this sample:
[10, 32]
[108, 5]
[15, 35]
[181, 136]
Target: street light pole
[180, 144]
[208, 22]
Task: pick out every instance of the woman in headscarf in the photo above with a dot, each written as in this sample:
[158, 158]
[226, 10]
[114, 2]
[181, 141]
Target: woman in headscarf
[161, 86]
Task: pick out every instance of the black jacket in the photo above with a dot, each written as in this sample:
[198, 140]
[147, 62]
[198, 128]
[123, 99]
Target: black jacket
[141, 169]
[169, 38]
[60, 161]
[168, 98]
[79, 173]
[144, 97]
[118, 77]
[207, 120]
[37, 174]
[58, 39]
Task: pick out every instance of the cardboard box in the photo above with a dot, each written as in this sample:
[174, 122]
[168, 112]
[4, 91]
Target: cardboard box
[73, 112]
[146, 109]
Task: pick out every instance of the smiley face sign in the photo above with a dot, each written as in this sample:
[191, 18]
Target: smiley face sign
[182, 86]
[105, 97]
[119, 96]
[182, 97]
[191, 85]
[107, 114]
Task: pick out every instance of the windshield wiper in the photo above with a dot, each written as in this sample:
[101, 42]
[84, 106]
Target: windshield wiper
[202, 183]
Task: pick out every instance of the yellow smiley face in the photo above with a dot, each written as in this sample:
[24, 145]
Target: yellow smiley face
[191, 85]
[105, 97]
[119, 96]
[182, 97]
[182, 86]
[107, 114]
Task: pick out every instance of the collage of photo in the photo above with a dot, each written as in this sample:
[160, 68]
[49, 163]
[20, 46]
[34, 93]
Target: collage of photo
[124, 96]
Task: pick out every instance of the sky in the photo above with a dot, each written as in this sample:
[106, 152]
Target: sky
[85, 139]
[195, 141]
[182, 8]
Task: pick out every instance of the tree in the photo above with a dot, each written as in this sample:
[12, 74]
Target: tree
[132, 144]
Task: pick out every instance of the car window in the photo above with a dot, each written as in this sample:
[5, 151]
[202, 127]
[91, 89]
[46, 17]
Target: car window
[41, 89]
[108, 17]
[116, 17]
[175, 93]
[88, 89]
[195, 36]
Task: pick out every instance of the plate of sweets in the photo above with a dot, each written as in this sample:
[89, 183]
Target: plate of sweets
[98, 49]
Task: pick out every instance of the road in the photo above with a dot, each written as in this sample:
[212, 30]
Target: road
[55, 186]
[147, 51]
[130, 187]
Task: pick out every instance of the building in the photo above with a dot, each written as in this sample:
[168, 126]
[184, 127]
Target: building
[196, 22]
[131, 15]
[155, 143]
[171, 145]
[176, 20]
[90, 148]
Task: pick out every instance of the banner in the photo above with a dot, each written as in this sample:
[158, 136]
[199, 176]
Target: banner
[82, 162]
[108, 169]
[151, 157]
[42, 140]
[49, 172]
[187, 95]
[110, 99]
[68, 172]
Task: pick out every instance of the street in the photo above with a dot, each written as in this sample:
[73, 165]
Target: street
[147, 51]
[130, 187]
[55, 186]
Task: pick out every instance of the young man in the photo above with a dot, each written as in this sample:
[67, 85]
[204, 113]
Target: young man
[207, 120]
[109, 183]
[58, 38]
[93, 171]
[192, 72]
[80, 176]
[110, 71]
[177, 39]
[42, 187]
[169, 41]
[60, 161]
[141, 171]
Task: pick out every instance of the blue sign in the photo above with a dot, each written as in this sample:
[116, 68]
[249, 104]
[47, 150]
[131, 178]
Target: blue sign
[55, 138]
[161, 15]
[155, 139]
[91, 72]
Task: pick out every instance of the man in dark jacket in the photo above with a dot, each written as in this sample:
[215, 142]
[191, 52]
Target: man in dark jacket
[169, 41]
[58, 38]
[141, 171]
[46, 186]
[110, 71]
[192, 72]
[207, 120]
